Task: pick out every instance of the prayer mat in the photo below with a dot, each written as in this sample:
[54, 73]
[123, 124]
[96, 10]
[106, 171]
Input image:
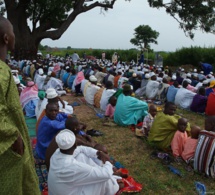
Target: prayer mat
[82, 100]
[31, 124]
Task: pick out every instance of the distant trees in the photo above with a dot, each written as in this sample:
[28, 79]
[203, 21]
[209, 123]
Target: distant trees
[143, 36]
[51, 18]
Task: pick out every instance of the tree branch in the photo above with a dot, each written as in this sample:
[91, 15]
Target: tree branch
[79, 8]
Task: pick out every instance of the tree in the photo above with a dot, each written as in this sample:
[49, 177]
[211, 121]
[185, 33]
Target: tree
[143, 36]
[51, 18]
[190, 14]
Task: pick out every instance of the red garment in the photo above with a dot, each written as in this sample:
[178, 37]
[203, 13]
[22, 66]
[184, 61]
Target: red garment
[116, 78]
[210, 108]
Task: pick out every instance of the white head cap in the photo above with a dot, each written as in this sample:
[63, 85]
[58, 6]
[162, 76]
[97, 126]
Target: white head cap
[189, 81]
[65, 139]
[40, 71]
[188, 75]
[51, 93]
[134, 74]
[173, 77]
[93, 78]
[194, 70]
[202, 72]
[182, 70]
[205, 82]
[147, 76]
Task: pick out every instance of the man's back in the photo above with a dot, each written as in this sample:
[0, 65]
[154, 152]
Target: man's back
[69, 176]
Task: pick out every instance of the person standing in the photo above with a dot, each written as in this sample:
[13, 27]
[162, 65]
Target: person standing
[18, 176]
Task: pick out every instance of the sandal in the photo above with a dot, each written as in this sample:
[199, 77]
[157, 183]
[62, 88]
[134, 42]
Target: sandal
[94, 132]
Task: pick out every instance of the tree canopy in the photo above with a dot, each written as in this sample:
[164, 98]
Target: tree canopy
[190, 14]
[51, 18]
[143, 36]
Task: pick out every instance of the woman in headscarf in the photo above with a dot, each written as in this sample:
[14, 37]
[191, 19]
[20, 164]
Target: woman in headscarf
[79, 78]
[29, 98]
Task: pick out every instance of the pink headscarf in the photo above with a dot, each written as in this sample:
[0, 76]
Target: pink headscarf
[29, 93]
[79, 78]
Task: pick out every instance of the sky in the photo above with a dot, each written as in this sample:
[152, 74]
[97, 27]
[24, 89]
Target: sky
[115, 28]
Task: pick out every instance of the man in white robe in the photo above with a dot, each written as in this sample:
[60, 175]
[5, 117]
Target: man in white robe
[70, 176]
[152, 87]
[107, 93]
[184, 97]
[91, 90]
[40, 79]
[51, 94]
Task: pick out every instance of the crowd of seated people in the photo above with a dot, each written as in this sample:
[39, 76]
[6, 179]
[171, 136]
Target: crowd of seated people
[111, 89]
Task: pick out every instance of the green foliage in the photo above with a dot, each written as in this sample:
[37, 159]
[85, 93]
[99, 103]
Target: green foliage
[144, 35]
[50, 11]
[192, 56]
[191, 14]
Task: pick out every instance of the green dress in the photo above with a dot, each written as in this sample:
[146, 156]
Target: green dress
[163, 130]
[18, 176]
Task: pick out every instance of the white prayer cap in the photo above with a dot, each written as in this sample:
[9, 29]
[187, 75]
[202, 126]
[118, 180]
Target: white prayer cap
[152, 74]
[202, 72]
[209, 75]
[182, 70]
[194, 70]
[211, 72]
[16, 80]
[67, 67]
[51, 93]
[189, 81]
[188, 75]
[34, 61]
[40, 71]
[173, 77]
[205, 82]
[119, 70]
[147, 76]
[65, 139]
[134, 75]
[14, 71]
[93, 78]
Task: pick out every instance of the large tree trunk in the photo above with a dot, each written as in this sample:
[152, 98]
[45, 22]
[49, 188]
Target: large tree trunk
[26, 43]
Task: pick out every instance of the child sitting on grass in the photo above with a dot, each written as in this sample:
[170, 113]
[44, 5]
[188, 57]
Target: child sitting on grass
[190, 144]
[148, 120]
[111, 107]
[109, 113]
[179, 139]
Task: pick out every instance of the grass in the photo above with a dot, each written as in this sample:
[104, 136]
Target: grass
[134, 154]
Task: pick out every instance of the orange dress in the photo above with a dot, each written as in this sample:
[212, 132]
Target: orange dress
[178, 143]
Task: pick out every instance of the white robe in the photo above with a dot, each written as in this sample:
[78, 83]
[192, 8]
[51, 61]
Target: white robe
[152, 89]
[107, 93]
[83, 82]
[90, 93]
[184, 98]
[68, 176]
[40, 81]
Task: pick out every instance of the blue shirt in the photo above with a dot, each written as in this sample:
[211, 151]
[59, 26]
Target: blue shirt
[47, 130]
[208, 91]
[65, 77]
[171, 93]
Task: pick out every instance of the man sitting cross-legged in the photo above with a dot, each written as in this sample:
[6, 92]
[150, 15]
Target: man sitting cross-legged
[70, 176]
